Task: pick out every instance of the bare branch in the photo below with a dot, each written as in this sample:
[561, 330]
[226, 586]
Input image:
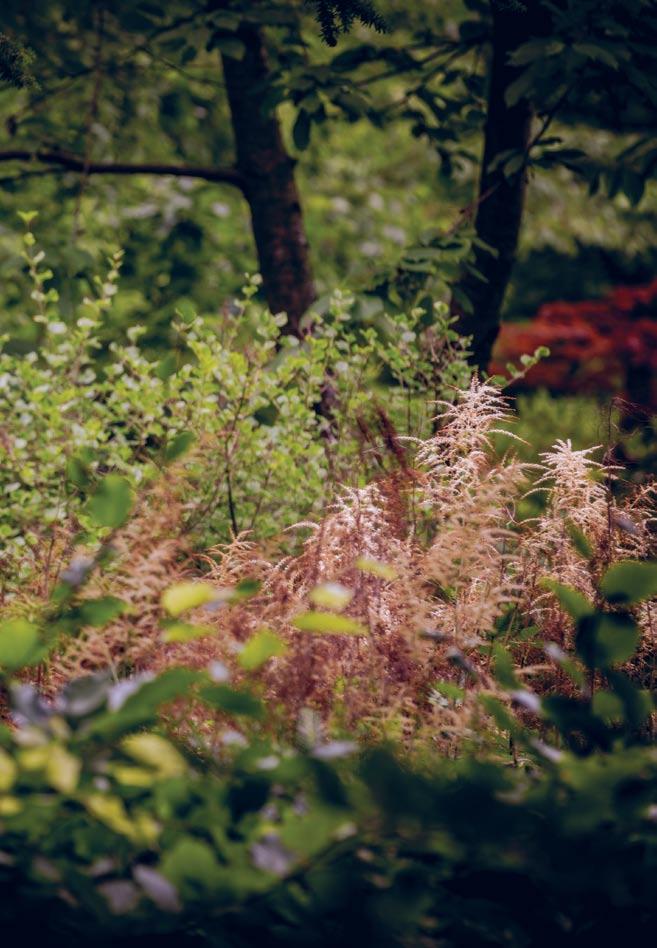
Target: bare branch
[70, 162]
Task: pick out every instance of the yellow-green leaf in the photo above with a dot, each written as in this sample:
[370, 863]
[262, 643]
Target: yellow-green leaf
[183, 596]
[376, 568]
[184, 632]
[19, 643]
[156, 752]
[62, 769]
[328, 623]
[260, 648]
[8, 771]
[331, 596]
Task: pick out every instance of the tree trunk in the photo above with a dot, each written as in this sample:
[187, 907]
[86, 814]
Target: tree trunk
[269, 185]
[501, 199]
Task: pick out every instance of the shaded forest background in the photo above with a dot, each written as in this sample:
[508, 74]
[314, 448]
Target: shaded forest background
[498, 155]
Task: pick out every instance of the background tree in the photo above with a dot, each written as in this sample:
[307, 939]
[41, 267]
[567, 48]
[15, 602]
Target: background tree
[493, 94]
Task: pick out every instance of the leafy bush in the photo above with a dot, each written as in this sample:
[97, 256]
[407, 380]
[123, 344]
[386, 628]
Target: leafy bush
[114, 830]
[246, 397]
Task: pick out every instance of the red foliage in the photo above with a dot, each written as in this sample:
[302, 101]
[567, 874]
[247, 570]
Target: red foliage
[596, 345]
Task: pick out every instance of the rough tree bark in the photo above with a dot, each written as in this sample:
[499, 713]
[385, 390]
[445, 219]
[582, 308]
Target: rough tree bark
[501, 200]
[267, 172]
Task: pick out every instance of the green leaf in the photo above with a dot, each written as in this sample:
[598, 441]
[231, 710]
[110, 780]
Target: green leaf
[8, 771]
[184, 632]
[504, 668]
[245, 589]
[99, 612]
[179, 445]
[598, 53]
[606, 639]
[62, 769]
[141, 706]
[167, 366]
[331, 596]
[155, 751]
[229, 45]
[328, 623]
[231, 701]
[449, 690]
[571, 600]
[111, 503]
[184, 596]
[368, 565]
[535, 49]
[19, 644]
[608, 706]
[579, 541]
[630, 581]
[301, 130]
[519, 88]
[77, 472]
[192, 861]
[260, 648]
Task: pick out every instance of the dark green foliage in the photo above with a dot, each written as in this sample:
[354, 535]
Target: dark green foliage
[15, 62]
[338, 16]
[113, 832]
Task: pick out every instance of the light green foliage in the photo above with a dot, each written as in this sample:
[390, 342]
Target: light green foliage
[235, 404]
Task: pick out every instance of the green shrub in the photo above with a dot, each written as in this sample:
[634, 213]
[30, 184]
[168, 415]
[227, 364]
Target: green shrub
[116, 831]
[243, 397]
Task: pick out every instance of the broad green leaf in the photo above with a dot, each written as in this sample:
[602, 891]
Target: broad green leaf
[571, 600]
[179, 445]
[606, 638]
[111, 503]
[142, 704]
[301, 130]
[328, 623]
[608, 706]
[630, 581]
[231, 701]
[184, 632]
[8, 771]
[192, 861]
[156, 752]
[331, 596]
[579, 541]
[167, 366]
[376, 568]
[184, 596]
[260, 648]
[245, 589]
[504, 668]
[77, 472]
[99, 612]
[62, 769]
[19, 644]
[448, 689]
[111, 811]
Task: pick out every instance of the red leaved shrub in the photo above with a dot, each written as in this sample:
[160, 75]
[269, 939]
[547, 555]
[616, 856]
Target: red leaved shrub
[596, 345]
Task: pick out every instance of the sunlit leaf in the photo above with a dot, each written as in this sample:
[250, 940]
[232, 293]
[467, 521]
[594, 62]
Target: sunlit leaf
[331, 596]
[260, 648]
[184, 596]
[156, 752]
[376, 568]
[19, 644]
[328, 623]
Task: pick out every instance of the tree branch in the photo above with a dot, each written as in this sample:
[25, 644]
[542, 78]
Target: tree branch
[70, 162]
